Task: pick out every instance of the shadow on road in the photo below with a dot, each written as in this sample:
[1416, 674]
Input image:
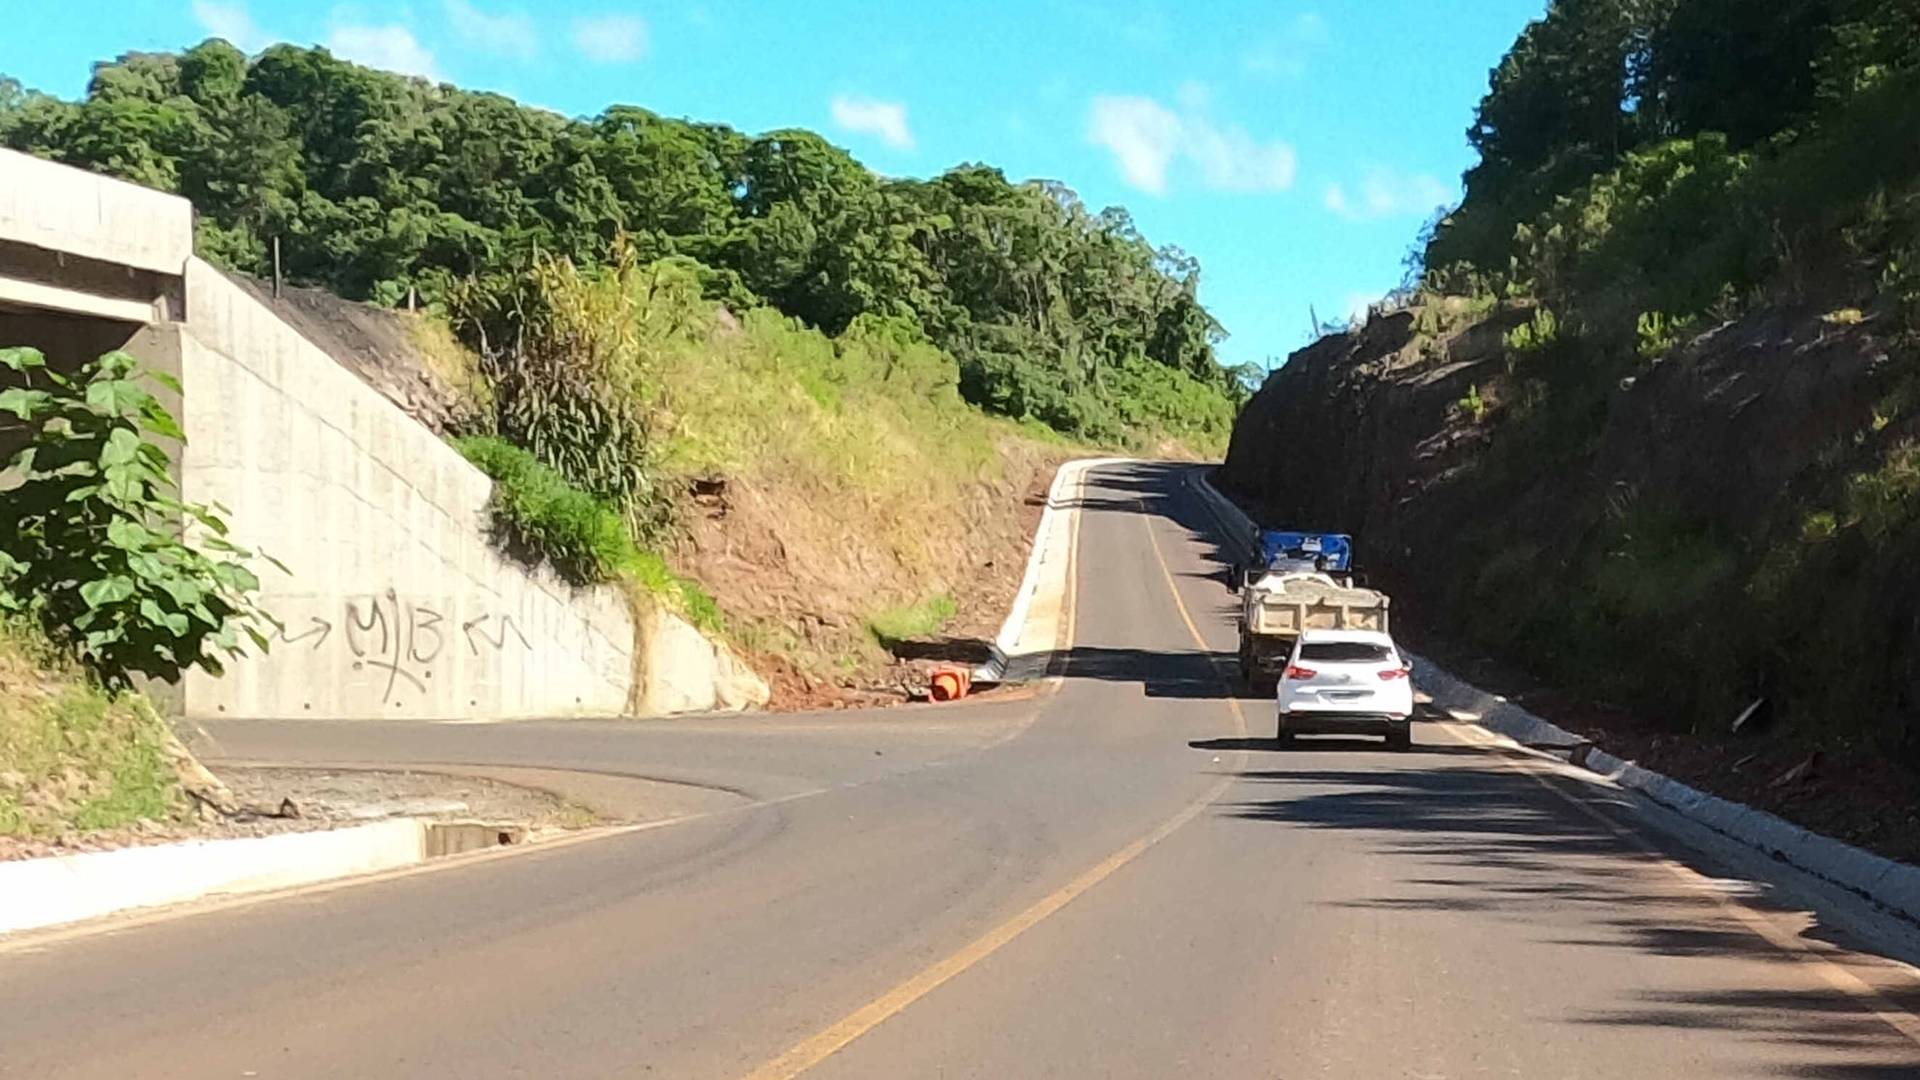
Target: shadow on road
[1491, 841]
[1335, 744]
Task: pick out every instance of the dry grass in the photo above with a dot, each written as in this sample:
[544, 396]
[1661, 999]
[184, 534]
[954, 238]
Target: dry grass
[72, 756]
[859, 485]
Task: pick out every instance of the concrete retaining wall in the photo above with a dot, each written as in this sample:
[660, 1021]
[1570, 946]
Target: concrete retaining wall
[681, 670]
[397, 604]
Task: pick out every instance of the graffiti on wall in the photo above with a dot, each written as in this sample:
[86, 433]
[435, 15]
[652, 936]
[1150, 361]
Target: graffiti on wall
[403, 639]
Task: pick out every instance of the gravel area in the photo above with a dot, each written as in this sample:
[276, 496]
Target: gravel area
[328, 799]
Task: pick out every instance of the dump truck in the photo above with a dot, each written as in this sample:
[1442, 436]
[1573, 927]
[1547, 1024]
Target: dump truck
[1303, 581]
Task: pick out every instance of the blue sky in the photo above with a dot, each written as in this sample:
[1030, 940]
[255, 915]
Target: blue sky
[1294, 146]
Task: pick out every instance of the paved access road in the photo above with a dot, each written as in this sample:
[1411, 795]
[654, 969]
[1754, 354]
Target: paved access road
[1113, 880]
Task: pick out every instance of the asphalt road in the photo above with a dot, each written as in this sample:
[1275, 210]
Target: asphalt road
[1112, 880]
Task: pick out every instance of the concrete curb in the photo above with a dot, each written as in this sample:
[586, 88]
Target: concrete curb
[1893, 885]
[36, 893]
[1029, 634]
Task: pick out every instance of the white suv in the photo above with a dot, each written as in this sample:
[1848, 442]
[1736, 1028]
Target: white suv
[1341, 682]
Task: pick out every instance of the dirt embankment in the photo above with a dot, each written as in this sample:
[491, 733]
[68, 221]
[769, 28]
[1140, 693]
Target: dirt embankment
[805, 574]
[1639, 551]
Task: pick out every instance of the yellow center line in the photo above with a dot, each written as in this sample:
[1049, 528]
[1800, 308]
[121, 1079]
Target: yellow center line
[829, 1041]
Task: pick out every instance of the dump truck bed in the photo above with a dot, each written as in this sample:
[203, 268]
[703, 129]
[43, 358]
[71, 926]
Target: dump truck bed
[1313, 603]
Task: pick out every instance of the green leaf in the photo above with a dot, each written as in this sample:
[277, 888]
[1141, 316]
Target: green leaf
[118, 397]
[259, 639]
[123, 446]
[21, 358]
[122, 533]
[117, 363]
[24, 403]
[110, 590]
[185, 592]
[123, 483]
[172, 620]
[160, 422]
[167, 381]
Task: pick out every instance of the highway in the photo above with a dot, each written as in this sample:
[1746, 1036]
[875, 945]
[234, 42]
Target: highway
[1121, 877]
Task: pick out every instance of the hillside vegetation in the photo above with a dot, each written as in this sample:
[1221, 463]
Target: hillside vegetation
[809, 494]
[1648, 418]
[381, 187]
[741, 375]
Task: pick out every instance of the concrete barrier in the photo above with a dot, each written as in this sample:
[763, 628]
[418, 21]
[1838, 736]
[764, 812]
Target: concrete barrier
[37, 893]
[1032, 630]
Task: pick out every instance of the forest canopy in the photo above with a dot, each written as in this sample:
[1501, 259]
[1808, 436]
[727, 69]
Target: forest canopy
[380, 187]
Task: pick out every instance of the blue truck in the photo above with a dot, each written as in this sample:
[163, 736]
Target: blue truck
[1299, 581]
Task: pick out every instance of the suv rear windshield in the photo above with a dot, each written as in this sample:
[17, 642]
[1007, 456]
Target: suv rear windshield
[1345, 652]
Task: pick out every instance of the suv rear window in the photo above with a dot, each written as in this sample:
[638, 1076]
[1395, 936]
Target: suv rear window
[1345, 652]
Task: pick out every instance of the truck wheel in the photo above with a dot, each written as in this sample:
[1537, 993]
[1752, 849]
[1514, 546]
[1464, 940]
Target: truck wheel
[1400, 736]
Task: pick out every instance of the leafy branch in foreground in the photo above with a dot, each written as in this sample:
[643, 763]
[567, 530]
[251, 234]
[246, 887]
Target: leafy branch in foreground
[91, 546]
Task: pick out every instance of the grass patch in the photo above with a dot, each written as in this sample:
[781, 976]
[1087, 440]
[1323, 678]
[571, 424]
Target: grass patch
[538, 516]
[452, 364]
[72, 755]
[910, 621]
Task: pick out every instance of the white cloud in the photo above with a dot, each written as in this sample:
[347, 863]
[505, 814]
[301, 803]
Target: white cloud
[1146, 138]
[1386, 194]
[611, 39]
[510, 33]
[389, 48]
[1286, 53]
[887, 119]
[1142, 134]
[232, 22]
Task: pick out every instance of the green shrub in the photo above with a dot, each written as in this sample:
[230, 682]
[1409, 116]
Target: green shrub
[90, 547]
[1657, 334]
[542, 517]
[1536, 334]
[569, 355]
[539, 517]
[911, 621]
[1473, 404]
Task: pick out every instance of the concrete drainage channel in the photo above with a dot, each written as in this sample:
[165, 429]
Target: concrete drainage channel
[445, 838]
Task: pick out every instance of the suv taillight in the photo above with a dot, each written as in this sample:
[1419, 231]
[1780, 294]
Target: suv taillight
[1295, 671]
[1396, 673]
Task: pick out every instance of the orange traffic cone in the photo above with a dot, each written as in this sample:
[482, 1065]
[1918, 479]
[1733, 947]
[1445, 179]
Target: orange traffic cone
[950, 683]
